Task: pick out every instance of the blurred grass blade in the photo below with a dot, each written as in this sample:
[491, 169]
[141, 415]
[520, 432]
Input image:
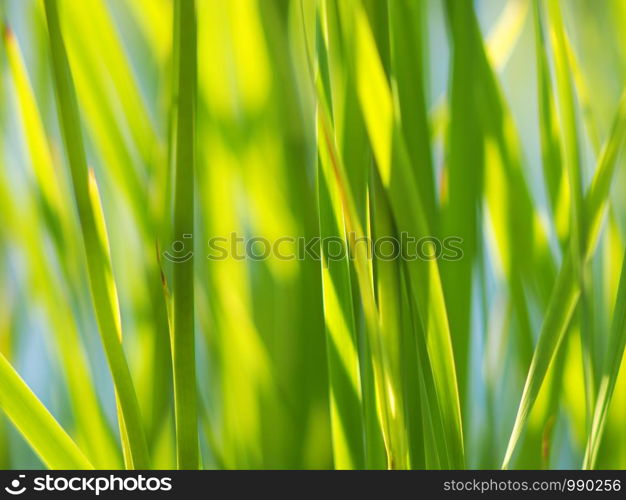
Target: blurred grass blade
[183, 347]
[99, 443]
[33, 129]
[548, 127]
[572, 160]
[33, 420]
[566, 290]
[464, 178]
[101, 281]
[614, 356]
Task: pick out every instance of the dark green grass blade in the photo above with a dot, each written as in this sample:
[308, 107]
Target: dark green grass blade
[183, 347]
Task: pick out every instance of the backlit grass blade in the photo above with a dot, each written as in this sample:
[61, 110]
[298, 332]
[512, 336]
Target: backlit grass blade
[183, 347]
[392, 328]
[350, 177]
[98, 442]
[464, 178]
[614, 356]
[548, 127]
[47, 438]
[342, 348]
[572, 161]
[407, 207]
[33, 129]
[408, 67]
[102, 285]
[566, 291]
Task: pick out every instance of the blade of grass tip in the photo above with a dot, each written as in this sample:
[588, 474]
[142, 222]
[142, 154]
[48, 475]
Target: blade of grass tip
[615, 353]
[548, 125]
[47, 438]
[572, 160]
[183, 348]
[102, 285]
[566, 290]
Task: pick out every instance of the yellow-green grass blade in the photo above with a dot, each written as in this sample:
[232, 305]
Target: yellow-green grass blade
[464, 178]
[93, 430]
[44, 434]
[571, 158]
[613, 362]
[123, 135]
[183, 344]
[102, 285]
[548, 125]
[408, 68]
[344, 370]
[33, 129]
[341, 337]
[566, 290]
[97, 38]
[98, 88]
[7, 317]
[409, 215]
[352, 189]
[372, 88]
[392, 330]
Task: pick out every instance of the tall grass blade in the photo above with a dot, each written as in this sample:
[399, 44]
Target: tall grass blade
[614, 356]
[183, 344]
[103, 291]
[566, 290]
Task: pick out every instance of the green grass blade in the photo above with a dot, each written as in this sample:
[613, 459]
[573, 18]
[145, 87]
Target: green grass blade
[615, 354]
[47, 438]
[464, 178]
[392, 330]
[398, 180]
[567, 291]
[98, 442]
[572, 160]
[183, 347]
[548, 125]
[103, 291]
[343, 358]
[408, 67]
